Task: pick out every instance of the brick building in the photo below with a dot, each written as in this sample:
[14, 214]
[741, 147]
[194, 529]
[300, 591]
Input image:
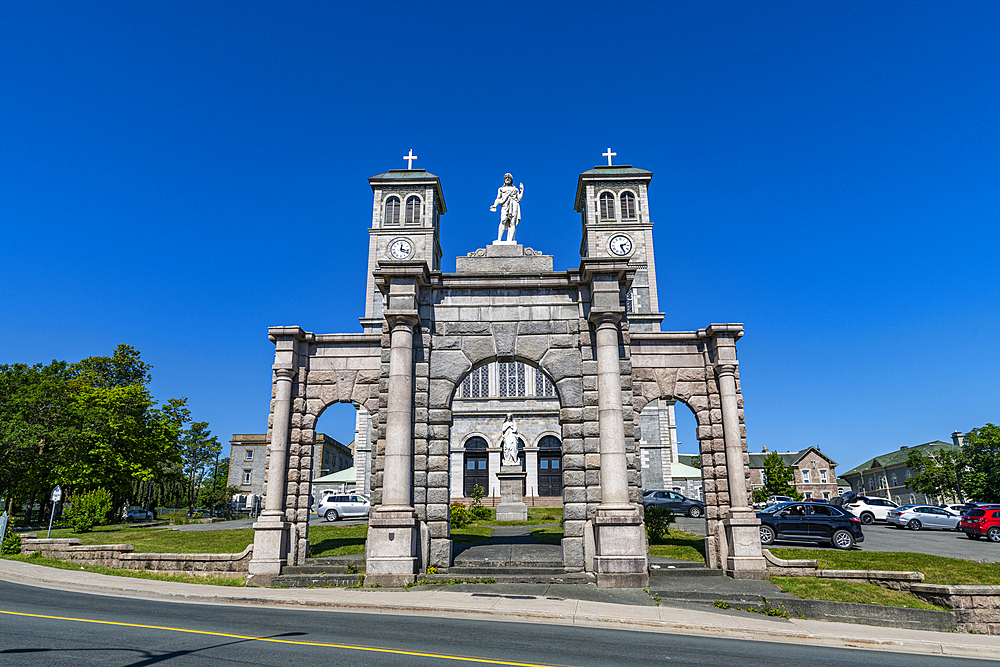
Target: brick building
[815, 472]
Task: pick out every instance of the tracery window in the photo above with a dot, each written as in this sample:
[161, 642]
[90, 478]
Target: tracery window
[628, 205]
[543, 385]
[607, 206]
[391, 211]
[511, 378]
[413, 210]
[477, 383]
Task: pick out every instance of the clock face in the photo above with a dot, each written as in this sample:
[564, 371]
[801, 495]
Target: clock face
[400, 249]
[620, 245]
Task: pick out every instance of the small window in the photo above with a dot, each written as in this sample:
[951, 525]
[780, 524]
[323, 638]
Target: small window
[607, 206]
[543, 385]
[805, 476]
[247, 476]
[628, 205]
[822, 476]
[248, 455]
[826, 495]
[809, 494]
[629, 301]
[413, 210]
[392, 211]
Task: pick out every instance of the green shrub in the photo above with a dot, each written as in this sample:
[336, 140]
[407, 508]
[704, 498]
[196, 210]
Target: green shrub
[460, 517]
[88, 510]
[11, 542]
[658, 520]
[476, 509]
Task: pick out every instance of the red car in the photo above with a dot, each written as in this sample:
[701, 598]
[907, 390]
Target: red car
[981, 521]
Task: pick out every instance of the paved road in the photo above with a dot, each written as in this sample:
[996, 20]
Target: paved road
[882, 537]
[181, 634]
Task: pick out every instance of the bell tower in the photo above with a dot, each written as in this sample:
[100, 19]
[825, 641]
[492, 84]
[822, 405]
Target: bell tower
[407, 205]
[614, 210]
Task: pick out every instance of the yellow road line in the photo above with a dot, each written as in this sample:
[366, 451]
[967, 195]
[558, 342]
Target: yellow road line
[372, 649]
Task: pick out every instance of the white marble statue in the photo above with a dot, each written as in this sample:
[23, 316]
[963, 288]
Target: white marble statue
[509, 431]
[509, 200]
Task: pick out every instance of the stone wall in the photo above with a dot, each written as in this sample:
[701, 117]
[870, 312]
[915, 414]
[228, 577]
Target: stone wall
[123, 556]
[976, 608]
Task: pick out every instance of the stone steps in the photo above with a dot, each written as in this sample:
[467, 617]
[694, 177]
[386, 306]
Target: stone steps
[665, 573]
[328, 568]
[315, 580]
[513, 575]
[505, 570]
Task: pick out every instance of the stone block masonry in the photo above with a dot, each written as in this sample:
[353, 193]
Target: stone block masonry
[123, 557]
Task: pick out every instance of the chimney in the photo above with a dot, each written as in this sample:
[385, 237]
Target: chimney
[903, 447]
[958, 438]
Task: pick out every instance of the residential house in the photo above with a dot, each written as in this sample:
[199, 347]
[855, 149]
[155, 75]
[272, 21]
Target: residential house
[814, 473]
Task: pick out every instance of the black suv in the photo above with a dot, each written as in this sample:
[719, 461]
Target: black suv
[812, 522]
[674, 502]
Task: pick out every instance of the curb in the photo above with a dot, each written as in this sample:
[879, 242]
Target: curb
[573, 613]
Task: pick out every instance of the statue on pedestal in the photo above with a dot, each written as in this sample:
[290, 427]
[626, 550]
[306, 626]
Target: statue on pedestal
[509, 199]
[509, 431]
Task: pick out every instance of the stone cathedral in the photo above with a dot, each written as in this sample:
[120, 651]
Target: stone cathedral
[576, 357]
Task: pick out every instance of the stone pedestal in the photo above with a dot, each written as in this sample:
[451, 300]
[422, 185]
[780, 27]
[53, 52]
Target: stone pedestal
[512, 507]
[393, 538]
[619, 541]
[745, 560]
[270, 546]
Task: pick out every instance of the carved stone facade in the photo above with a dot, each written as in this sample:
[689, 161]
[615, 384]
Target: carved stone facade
[427, 331]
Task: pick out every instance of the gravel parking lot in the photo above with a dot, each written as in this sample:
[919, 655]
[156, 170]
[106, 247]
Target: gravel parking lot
[882, 537]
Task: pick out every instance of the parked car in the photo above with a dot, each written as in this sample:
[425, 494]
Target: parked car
[674, 502]
[811, 522]
[870, 510]
[916, 517]
[981, 522]
[343, 505]
[774, 500]
[138, 515]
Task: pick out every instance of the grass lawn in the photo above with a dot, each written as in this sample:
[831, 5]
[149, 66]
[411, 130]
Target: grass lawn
[337, 540]
[35, 559]
[162, 540]
[681, 545]
[547, 535]
[474, 533]
[936, 569]
[813, 588]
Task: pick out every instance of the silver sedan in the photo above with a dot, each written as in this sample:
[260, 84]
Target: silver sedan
[916, 517]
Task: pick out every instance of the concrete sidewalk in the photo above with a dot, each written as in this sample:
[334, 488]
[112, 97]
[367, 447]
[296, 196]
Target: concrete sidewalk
[493, 606]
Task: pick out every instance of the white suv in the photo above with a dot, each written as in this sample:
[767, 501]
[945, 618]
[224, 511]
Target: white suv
[345, 506]
[870, 510]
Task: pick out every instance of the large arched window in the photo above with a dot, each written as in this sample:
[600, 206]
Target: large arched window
[477, 383]
[413, 210]
[511, 378]
[391, 211]
[628, 205]
[477, 465]
[549, 466]
[607, 206]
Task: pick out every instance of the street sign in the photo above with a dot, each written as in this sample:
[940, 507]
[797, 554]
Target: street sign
[57, 494]
[56, 497]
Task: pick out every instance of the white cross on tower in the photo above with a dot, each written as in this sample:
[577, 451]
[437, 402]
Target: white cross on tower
[411, 157]
[609, 155]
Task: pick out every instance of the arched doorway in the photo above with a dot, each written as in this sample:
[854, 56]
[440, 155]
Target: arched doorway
[549, 466]
[477, 465]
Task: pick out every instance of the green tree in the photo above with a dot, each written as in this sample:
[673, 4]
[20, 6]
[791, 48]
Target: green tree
[123, 368]
[779, 479]
[982, 458]
[217, 480]
[935, 473]
[198, 450]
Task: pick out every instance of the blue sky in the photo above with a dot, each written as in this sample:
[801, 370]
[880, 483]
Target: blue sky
[179, 176]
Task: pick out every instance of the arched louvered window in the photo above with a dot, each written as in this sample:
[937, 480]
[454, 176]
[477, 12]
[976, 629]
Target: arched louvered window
[413, 210]
[607, 206]
[628, 205]
[391, 211]
[477, 383]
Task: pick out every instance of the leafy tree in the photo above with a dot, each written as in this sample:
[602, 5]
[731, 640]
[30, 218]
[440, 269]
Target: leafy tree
[87, 510]
[779, 479]
[124, 368]
[198, 450]
[935, 473]
[217, 480]
[982, 456]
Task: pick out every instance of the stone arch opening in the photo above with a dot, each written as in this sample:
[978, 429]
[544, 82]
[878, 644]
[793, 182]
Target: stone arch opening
[481, 398]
